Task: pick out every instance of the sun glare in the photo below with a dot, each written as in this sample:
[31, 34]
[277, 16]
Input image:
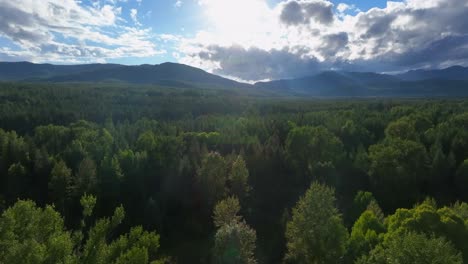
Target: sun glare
[240, 19]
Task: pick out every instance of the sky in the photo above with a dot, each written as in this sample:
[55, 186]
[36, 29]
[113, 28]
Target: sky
[246, 40]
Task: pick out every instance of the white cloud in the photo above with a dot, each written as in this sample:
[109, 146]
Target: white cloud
[342, 7]
[178, 3]
[67, 31]
[134, 16]
[247, 39]
[308, 36]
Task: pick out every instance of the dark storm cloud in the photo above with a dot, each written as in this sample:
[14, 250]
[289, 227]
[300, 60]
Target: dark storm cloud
[451, 48]
[402, 37]
[302, 12]
[377, 25]
[333, 43]
[411, 37]
[257, 64]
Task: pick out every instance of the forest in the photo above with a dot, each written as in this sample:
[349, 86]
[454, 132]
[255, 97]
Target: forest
[116, 173]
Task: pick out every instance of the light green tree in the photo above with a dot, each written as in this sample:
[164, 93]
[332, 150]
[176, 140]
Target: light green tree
[415, 249]
[426, 218]
[234, 239]
[366, 233]
[316, 233]
[238, 179]
[138, 246]
[32, 235]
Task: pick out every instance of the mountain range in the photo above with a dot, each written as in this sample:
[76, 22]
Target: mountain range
[451, 81]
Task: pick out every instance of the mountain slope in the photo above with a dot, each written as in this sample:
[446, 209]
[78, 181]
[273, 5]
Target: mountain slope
[332, 83]
[452, 81]
[15, 71]
[452, 73]
[447, 82]
[166, 73]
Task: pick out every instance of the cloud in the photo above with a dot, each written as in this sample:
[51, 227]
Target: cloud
[342, 7]
[178, 3]
[67, 31]
[251, 64]
[300, 37]
[134, 16]
[333, 44]
[245, 39]
[296, 12]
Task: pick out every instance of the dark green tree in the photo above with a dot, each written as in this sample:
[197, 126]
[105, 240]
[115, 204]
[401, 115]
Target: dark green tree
[59, 184]
[85, 178]
[211, 179]
[461, 180]
[314, 152]
[398, 170]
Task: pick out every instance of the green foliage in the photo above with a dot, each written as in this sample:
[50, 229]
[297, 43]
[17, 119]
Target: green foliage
[16, 179]
[211, 178]
[313, 150]
[147, 141]
[88, 202]
[29, 234]
[85, 178]
[366, 233]
[238, 179]
[234, 239]
[60, 183]
[168, 155]
[426, 218]
[235, 244]
[360, 203]
[461, 180]
[413, 248]
[226, 211]
[398, 170]
[316, 233]
[403, 128]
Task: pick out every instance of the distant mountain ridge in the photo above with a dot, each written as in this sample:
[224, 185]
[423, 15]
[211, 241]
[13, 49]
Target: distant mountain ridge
[451, 81]
[166, 74]
[17, 71]
[451, 73]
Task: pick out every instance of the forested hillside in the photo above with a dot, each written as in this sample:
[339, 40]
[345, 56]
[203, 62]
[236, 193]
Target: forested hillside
[449, 82]
[107, 173]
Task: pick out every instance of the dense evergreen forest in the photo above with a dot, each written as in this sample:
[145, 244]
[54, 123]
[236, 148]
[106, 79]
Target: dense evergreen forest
[113, 173]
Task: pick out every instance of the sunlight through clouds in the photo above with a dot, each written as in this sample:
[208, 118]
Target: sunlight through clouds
[242, 39]
[309, 36]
